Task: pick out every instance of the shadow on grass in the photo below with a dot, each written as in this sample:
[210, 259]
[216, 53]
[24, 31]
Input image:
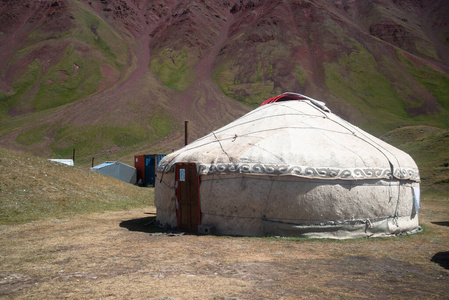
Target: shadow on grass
[445, 223]
[146, 224]
[441, 258]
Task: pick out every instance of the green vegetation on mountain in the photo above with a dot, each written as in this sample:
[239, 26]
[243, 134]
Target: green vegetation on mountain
[358, 79]
[259, 71]
[174, 68]
[95, 32]
[71, 79]
[428, 147]
[25, 82]
[32, 135]
[161, 124]
[109, 78]
[432, 79]
[58, 77]
[248, 89]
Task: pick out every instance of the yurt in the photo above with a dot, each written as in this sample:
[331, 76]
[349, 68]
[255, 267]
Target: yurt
[289, 168]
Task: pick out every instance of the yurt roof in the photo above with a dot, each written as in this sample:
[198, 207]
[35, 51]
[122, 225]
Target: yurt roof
[299, 137]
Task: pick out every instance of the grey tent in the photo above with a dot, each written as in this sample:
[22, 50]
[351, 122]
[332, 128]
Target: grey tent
[117, 170]
[289, 168]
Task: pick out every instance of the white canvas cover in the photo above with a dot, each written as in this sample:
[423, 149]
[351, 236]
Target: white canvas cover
[298, 139]
[117, 170]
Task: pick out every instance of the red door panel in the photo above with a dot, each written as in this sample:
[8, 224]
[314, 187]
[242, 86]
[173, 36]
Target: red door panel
[189, 216]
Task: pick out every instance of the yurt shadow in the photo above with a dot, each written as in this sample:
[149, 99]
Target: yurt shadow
[441, 258]
[444, 223]
[146, 225]
[149, 225]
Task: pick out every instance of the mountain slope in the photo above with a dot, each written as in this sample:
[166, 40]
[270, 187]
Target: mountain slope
[116, 77]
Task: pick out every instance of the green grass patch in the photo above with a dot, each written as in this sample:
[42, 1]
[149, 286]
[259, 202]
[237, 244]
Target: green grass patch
[71, 79]
[126, 136]
[105, 141]
[35, 189]
[3, 111]
[33, 135]
[426, 144]
[426, 48]
[260, 72]
[94, 31]
[19, 122]
[428, 147]
[25, 80]
[29, 77]
[301, 75]
[250, 87]
[434, 81]
[73, 74]
[161, 124]
[174, 68]
[88, 140]
[357, 80]
[248, 90]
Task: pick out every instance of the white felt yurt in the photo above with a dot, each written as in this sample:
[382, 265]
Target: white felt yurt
[289, 168]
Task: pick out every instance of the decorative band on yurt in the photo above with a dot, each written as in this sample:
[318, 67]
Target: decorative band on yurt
[305, 171]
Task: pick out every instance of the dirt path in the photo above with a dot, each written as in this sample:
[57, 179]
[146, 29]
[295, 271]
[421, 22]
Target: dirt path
[117, 255]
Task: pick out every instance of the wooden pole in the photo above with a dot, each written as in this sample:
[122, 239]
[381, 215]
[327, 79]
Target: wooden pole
[93, 158]
[186, 132]
[73, 156]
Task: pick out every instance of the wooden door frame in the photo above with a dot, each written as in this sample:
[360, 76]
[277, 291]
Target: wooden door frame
[198, 182]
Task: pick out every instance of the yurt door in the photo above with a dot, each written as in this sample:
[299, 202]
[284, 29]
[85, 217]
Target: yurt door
[187, 182]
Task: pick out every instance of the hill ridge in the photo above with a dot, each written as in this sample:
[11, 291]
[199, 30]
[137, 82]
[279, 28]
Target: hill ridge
[121, 76]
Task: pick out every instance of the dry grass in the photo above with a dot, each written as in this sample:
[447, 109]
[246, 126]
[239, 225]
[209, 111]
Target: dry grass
[118, 255]
[93, 252]
[34, 188]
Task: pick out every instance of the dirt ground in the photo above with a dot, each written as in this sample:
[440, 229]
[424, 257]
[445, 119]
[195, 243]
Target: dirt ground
[120, 255]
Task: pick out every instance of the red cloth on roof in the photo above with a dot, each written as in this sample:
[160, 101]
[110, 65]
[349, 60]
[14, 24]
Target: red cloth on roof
[283, 97]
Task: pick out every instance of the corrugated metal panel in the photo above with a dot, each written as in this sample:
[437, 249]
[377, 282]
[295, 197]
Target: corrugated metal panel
[105, 164]
[117, 170]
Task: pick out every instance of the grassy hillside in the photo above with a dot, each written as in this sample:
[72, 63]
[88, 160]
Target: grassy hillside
[428, 147]
[116, 78]
[33, 188]
[387, 78]
[55, 65]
